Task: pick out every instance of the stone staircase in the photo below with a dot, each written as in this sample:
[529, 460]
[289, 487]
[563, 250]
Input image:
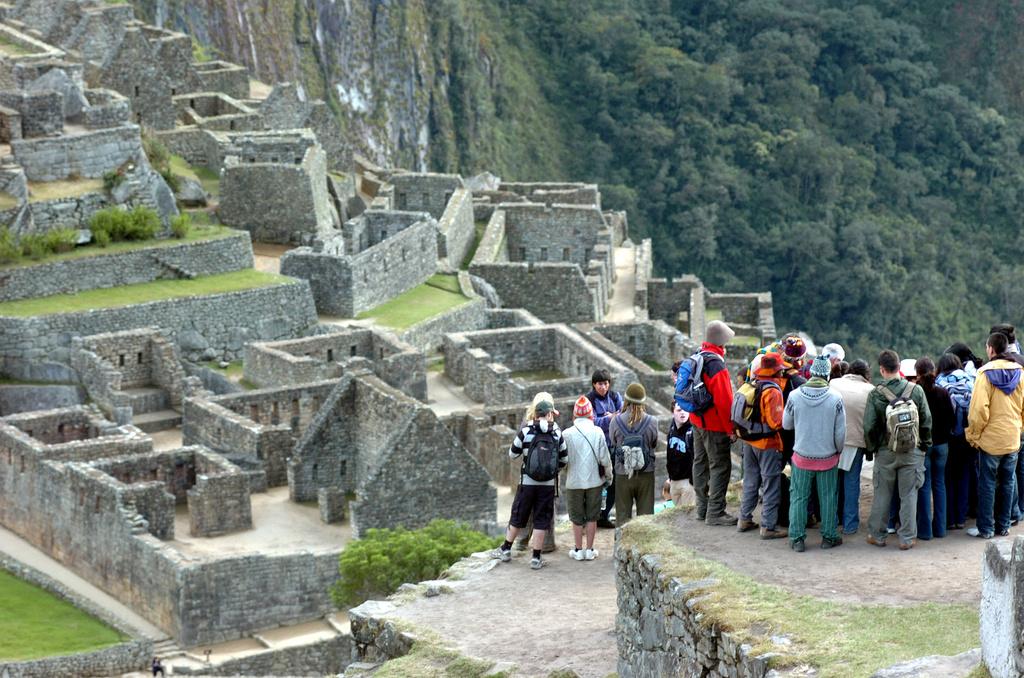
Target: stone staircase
[151, 409]
[173, 268]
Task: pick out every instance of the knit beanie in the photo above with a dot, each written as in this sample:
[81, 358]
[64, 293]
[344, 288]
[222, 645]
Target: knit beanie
[833, 351]
[718, 333]
[582, 408]
[636, 394]
[821, 367]
[908, 368]
[794, 348]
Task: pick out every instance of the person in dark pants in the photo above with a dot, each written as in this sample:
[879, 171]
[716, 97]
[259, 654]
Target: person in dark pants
[158, 668]
[606, 403]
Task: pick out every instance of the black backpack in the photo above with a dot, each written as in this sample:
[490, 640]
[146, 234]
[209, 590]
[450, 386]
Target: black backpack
[541, 462]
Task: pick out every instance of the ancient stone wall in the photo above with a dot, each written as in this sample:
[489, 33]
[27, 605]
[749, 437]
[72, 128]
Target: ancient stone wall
[661, 633]
[559, 233]
[323, 657]
[106, 108]
[216, 325]
[347, 285]
[219, 502]
[325, 356]
[88, 155]
[1002, 615]
[223, 76]
[567, 193]
[552, 292]
[207, 257]
[277, 202]
[428, 335]
[71, 434]
[425, 192]
[200, 147]
[136, 71]
[456, 228]
[41, 113]
[679, 302]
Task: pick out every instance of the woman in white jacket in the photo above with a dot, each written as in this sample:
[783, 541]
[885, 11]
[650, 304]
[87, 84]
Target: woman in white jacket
[588, 466]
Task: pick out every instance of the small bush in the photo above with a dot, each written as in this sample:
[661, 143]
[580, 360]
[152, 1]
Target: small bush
[172, 179]
[33, 246]
[181, 225]
[10, 251]
[101, 238]
[383, 560]
[60, 240]
[112, 179]
[143, 224]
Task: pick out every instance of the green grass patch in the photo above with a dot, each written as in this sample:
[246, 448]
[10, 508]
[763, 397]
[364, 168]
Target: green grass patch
[538, 375]
[748, 342]
[838, 638]
[436, 365]
[39, 191]
[712, 314]
[12, 48]
[428, 659]
[141, 293]
[233, 371]
[478, 234]
[435, 296]
[38, 624]
[195, 234]
[209, 179]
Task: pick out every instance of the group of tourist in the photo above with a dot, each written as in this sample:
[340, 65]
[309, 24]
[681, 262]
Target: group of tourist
[944, 438]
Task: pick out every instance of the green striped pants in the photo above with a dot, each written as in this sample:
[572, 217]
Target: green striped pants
[828, 499]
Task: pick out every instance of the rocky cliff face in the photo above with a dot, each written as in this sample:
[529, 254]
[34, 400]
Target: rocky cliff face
[414, 83]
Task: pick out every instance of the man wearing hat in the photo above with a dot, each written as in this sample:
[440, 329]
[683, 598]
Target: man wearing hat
[817, 417]
[713, 430]
[762, 459]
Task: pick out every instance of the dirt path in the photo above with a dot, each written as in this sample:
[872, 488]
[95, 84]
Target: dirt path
[621, 304]
[561, 617]
[946, 570]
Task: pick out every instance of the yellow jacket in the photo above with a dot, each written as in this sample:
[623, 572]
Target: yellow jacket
[995, 418]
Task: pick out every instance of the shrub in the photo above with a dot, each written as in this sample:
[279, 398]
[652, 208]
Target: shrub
[60, 240]
[172, 179]
[107, 225]
[112, 179]
[34, 246]
[181, 225]
[143, 224]
[10, 251]
[383, 560]
[101, 238]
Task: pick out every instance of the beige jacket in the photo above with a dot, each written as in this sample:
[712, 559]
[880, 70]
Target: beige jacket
[995, 418]
[854, 390]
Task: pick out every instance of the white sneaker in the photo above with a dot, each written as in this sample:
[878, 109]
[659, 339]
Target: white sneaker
[975, 532]
[590, 554]
[577, 554]
[890, 530]
[536, 564]
[502, 555]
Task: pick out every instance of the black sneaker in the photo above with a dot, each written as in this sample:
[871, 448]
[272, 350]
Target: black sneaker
[827, 543]
[798, 546]
[605, 524]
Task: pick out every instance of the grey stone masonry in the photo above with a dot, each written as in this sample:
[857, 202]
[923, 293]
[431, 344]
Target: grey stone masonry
[660, 631]
[346, 284]
[204, 327]
[679, 302]
[326, 356]
[218, 503]
[223, 76]
[88, 154]
[486, 362]
[331, 502]
[1002, 608]
[425, 192]
[456, 229]
[192, 259]
[319, 658]
[216, 111]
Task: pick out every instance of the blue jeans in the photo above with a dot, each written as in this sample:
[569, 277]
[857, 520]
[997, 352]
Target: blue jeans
[1018, 489]
[850, 485]
[933, 494]
[996, 476]
[958, 480]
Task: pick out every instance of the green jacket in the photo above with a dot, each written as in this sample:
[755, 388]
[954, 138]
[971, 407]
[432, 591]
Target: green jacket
[874, 415]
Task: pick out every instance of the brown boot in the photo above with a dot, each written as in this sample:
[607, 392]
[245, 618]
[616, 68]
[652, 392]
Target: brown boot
[772, 534]
[746, 526]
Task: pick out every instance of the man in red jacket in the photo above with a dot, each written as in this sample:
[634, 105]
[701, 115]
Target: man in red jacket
[713, 431]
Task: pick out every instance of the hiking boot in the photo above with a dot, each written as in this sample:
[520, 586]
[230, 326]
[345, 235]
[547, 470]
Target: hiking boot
[722, 519]
[772, 534]
[798, 545]
[576, 554]
[502, 555]
[907, 545]
[590, 554]
[975, 532]
[746, 526]
[605, 524]
[875, 542]
[536, 563]
[827, 543]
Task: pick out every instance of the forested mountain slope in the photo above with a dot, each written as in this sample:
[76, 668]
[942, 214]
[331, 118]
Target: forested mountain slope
[861, 161]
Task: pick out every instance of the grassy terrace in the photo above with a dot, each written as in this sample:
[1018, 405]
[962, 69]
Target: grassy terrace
[158, 290]
[205, 176]
[478, 234]
[538, 375]
[40, 191]
[196, 234]
[839, 639]
[439, 294]
[37, 624]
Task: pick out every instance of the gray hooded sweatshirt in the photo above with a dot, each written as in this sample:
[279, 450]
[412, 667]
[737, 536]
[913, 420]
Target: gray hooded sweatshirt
[818, 418]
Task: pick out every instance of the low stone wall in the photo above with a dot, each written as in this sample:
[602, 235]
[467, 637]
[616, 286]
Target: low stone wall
[661, 633]
[86, 155]
[427, 336]
[1002, 619]
[16, 398]
[326, 657]
[566, 296]
[207, 257]
[128, 656]
[456, 228]
[206, 327]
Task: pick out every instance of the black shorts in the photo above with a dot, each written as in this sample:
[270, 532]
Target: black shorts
[536, 499]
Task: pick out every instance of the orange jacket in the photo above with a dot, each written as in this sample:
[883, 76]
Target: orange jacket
[771, 411]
